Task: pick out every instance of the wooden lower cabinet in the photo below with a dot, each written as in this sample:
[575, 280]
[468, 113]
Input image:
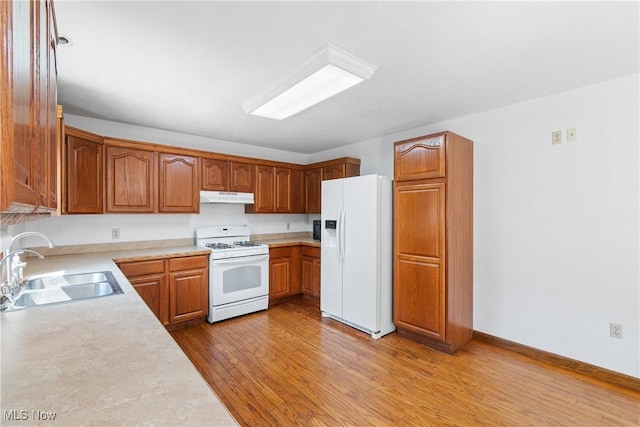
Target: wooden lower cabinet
[175, 289]
[284, 273]
[188, 288]
[310, 270]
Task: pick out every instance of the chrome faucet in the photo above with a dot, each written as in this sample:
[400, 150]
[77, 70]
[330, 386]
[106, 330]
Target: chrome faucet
[12, 285]
[30, 233]
[17, 263]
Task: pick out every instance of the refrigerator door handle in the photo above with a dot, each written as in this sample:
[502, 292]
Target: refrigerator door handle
[343, 240]
[339, 236]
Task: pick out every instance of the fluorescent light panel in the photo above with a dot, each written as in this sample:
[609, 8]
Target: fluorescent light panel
[327, 72]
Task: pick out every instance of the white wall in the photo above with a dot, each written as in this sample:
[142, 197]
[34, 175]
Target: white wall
[556, 232]
[86, 229]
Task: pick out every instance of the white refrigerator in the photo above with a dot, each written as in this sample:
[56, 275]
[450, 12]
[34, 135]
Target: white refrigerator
[356, 253]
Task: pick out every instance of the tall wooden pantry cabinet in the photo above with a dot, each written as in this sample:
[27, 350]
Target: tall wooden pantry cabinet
[433, 240]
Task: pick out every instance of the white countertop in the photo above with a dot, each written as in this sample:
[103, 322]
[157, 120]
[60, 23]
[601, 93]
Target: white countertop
[104, 361]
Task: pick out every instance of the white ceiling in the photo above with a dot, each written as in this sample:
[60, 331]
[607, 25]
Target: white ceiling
[187, 66]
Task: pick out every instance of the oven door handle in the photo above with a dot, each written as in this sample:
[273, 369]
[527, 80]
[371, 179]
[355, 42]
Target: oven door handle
[241, 260]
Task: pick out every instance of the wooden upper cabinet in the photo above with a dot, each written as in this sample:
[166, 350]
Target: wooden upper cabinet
[313, 187]
[334, 172]
[241, 177]
[296, 191]
[84, 182]
[420, 158]
[282, 190]
[214, 174]
[316, 173]
[264, 194]
[28, 116]
[278, 190]
[131, 180]
[179, 183]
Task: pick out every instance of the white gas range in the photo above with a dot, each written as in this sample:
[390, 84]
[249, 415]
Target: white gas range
[238, 271]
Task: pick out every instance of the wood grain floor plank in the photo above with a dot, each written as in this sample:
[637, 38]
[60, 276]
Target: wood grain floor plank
[289, 366]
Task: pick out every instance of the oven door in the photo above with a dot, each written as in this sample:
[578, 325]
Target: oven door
[237, 279]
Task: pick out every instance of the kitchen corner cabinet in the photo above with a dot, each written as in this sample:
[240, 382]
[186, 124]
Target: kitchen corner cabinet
[148, 278]
[433, 240]
[28, 119]
[284, 273]
[175, 289]
[214, 174]
[310, 274]
[83, 183]
[179, 185]
[316, 173]
[277, 190]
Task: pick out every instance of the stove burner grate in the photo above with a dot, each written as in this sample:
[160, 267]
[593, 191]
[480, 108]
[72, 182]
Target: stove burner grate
[219, 246]
[246, 243]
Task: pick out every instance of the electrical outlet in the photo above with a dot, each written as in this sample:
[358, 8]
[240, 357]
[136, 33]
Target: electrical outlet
[288, 226]
[572, 135]
[615, 330]
[556, 137]
[115, 233]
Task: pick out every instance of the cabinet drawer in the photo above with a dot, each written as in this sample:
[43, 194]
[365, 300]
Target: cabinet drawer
[188, 263]
[310, 251]
[142, 268]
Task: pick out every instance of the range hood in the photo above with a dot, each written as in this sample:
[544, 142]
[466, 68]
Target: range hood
[226, 197]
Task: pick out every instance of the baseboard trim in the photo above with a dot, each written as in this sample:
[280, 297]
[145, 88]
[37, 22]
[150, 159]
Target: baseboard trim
[564, 362]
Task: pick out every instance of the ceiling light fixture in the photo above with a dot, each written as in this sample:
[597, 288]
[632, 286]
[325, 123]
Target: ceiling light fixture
[327, 72]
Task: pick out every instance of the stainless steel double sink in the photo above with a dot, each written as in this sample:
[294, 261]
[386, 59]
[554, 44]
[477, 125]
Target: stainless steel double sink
[66, 288]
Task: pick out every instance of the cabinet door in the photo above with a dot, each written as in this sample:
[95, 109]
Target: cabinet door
[313, 188]
[297, 193]
[241, 177]
[20, 106]
[420, 158]
[84, 181]
[179, 183]
[188, 295]
[131, 180]
[311, 272]
[283, 190]
[214, 174]
[334, 171]
[148, 278]
[419, 270]
[264, 189]
[284, 272]
[151, 288]
[54, 143]
[279, 277]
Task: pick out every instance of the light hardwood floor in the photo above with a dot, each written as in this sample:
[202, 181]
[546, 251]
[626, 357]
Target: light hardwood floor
[288, 366]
